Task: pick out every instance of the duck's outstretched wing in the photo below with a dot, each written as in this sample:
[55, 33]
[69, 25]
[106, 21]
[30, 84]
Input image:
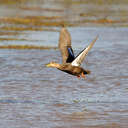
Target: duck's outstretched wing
[65, 46]
[79, 59]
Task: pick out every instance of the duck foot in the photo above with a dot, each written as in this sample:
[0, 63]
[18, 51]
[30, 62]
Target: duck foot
[83, 75]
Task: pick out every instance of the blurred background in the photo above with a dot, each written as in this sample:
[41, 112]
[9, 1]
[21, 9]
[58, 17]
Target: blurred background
[21, 20]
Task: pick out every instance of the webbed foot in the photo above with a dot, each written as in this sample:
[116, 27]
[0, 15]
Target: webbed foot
[83, 75]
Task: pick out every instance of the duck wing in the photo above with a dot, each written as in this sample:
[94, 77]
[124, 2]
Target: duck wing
[80, 57]
[65, 46]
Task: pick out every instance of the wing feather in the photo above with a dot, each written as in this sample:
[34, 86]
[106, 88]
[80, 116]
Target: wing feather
[65, 46]
[79, 59]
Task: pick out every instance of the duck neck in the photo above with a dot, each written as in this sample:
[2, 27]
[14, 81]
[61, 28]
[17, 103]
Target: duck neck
[57, 66]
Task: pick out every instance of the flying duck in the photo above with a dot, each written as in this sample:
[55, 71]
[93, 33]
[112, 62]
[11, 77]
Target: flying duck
[70, 63]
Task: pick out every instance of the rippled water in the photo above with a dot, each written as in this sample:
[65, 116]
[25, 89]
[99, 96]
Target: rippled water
[32, 95]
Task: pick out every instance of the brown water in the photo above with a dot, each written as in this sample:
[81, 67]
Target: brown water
[33, 96]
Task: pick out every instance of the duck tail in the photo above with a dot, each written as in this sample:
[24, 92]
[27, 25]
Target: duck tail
[87, 72]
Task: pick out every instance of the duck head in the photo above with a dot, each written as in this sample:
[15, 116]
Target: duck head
[52, 65]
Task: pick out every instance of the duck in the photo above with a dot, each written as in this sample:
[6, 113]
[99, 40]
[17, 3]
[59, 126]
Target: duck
[70, 63]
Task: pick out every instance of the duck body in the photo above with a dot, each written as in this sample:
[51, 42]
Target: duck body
[73, 70]
[68, 68]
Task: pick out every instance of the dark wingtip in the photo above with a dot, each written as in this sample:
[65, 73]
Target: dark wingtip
[63, 25]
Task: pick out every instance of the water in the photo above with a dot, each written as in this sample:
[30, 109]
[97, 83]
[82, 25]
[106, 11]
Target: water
[34, 96]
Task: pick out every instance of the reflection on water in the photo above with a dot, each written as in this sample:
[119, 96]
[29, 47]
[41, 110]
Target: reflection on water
[32, 95]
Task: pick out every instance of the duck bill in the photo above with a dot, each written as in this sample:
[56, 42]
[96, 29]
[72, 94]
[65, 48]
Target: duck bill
[48, 65]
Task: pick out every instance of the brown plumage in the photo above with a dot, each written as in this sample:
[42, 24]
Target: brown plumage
[70, 63]
[64, 43]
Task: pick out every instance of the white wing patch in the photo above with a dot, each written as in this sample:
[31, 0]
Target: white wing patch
[79, 59]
